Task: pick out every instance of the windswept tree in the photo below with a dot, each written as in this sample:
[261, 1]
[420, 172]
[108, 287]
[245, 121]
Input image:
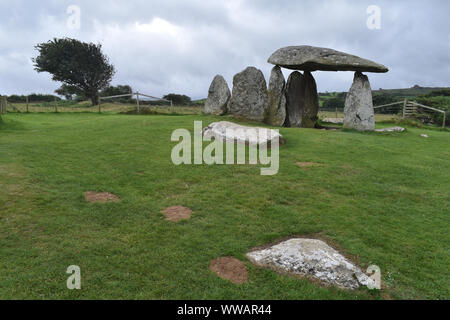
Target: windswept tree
[78, 65]
[178, 99]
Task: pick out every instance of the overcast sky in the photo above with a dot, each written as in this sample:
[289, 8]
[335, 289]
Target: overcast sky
[178, 46]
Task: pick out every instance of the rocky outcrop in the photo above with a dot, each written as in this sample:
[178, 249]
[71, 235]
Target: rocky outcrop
[249, 99]
[310, 58]
[218, 97]
[314, 258]
[230, 132]
[359, 112]
[276, 115]
[295, 99]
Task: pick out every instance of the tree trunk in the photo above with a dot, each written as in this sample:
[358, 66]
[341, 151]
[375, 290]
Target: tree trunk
[94, 98]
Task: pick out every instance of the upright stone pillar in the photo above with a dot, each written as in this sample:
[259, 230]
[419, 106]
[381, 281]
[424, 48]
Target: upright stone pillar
[311, 107]
[218, 96]
[249, 98]
[277, 98]
[359, 112]
[295, 100]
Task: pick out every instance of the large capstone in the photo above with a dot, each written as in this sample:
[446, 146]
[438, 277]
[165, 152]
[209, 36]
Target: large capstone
[314, 258]
[218, 97]
[249, 99]
[277, 100]
[311, 107]
[359, 112]
[308, 58]
[295, 99]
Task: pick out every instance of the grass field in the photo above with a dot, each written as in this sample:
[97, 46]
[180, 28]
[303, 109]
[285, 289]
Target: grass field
[381, 198]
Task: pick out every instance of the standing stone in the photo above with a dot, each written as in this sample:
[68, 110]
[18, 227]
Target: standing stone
[295, 100]
[218, 97]
[249, 99]
[311, 107]
[359, 113]
[277, 99]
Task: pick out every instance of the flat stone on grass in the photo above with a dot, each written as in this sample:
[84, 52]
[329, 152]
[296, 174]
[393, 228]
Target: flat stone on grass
[177, 213]
[333, 120]
[229, 268]
[100, 197]
[311, 258]
[393, 129]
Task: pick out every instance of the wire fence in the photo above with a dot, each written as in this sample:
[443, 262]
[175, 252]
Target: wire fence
[107, 105]
[404, 109]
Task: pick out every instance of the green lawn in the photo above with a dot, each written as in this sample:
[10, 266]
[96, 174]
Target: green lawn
[382, 198]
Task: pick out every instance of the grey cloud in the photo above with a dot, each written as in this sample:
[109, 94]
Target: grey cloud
[178, 46]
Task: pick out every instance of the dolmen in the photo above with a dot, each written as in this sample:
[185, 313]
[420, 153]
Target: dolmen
[295, 103]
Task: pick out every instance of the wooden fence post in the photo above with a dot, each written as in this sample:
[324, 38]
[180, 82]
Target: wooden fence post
[3, 105]
[404, 108]
[27, 104]
[56, 106]
[137, 101]
[443, 122]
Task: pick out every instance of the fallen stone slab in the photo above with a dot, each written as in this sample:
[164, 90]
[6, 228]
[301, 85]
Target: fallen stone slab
[314, 258]
[333, 120]
[310, 58]
[229, 268]
[393, 129]
[231, 132]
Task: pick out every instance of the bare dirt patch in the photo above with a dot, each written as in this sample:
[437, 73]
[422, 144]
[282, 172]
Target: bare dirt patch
[308, 164]
[177, 213]
[100, 197]
[229, 268]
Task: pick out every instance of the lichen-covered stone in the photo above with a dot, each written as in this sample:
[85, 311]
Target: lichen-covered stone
[249, 99]
[218, 96]
[311, 257]
[359, 112]
[277, 99]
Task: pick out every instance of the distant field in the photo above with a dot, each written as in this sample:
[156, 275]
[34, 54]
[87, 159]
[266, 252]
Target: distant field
[104, 107]
[410, 92]
[383, 198]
